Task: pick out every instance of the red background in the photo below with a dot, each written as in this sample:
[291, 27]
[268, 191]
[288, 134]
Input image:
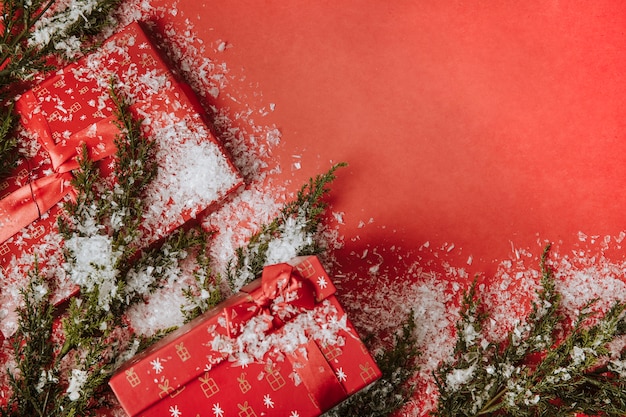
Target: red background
[482, 124]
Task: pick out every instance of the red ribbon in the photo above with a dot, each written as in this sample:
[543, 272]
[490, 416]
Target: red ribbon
[283, 295]
[25, 205]
[317, 376]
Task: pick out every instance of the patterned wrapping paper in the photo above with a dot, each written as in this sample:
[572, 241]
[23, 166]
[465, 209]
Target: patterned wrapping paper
[283, 346]
[73, 107]
[39, 240]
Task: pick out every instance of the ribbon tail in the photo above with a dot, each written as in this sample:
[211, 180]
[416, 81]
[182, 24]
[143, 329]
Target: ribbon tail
[317, 376]
[28, 203]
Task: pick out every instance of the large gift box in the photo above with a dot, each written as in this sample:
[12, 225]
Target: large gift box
[282, 346]
[73, 108]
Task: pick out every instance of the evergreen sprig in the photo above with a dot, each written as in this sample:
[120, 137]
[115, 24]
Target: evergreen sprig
[547, 366]
[80, 360]
[398, 365]
[207, 291]
[32, 32]
[35, 381]
[307, 208]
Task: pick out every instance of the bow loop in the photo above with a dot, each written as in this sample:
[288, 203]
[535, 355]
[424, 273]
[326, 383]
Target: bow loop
[283, 294]
[25, 205]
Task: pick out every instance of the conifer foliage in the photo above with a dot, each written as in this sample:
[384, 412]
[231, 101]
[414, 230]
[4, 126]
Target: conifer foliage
[549, 365]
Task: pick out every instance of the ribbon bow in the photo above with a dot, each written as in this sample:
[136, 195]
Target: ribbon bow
[283, 294]
[26, 204]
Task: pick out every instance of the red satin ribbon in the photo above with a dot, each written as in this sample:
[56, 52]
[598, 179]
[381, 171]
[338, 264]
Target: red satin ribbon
[25, 205]
[317, 376]
[284, 294]
[282, 291]
[99, 136]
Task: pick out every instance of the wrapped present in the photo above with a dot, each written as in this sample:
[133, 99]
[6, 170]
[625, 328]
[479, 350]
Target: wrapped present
[40, 240]
[282, 346]
[73, 107]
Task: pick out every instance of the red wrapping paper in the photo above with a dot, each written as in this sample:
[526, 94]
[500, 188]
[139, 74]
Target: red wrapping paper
[38, 241]
[265, 350]
[73, 107]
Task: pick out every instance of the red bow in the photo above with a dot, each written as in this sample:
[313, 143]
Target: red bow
[26, 204]
[283, 295]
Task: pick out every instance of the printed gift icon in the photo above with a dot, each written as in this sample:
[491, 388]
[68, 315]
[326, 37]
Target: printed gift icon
[208, 385]
[182, 352]
[367, 373]
[246, 410]
[132, 377]
[274, 378]
[306, 269]
[244, 385]
[331, 352]
[167, 389]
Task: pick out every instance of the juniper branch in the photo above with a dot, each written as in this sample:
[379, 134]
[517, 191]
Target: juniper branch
[544, 367]
[309, 206]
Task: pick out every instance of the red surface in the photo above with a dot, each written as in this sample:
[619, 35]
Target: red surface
[486, 125]
[478, 124]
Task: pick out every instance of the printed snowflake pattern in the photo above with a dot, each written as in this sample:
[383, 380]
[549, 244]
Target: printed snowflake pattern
[157, 365]
[267, 400]
[341, 375]
[321, 281]
[294, 414]
[175, 412]
[217, 410]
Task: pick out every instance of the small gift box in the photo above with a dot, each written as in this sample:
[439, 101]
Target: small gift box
[282, 346]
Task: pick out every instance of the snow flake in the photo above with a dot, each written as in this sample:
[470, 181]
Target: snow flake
[267, 400]
[294, 414]
[76, 382]
[157, 365]
[341, 375]
[321, 281]
[217, 410]
[175, 412]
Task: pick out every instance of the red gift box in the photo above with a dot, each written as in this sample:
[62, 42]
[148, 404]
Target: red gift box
[74, 107]
[282, 345]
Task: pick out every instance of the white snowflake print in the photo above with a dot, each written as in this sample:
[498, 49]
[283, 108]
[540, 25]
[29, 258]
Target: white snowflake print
[341, 375]
[294, 414]
[321, 281]
[157, 365]
[174, 411]
[217, 410]
[267, 400]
